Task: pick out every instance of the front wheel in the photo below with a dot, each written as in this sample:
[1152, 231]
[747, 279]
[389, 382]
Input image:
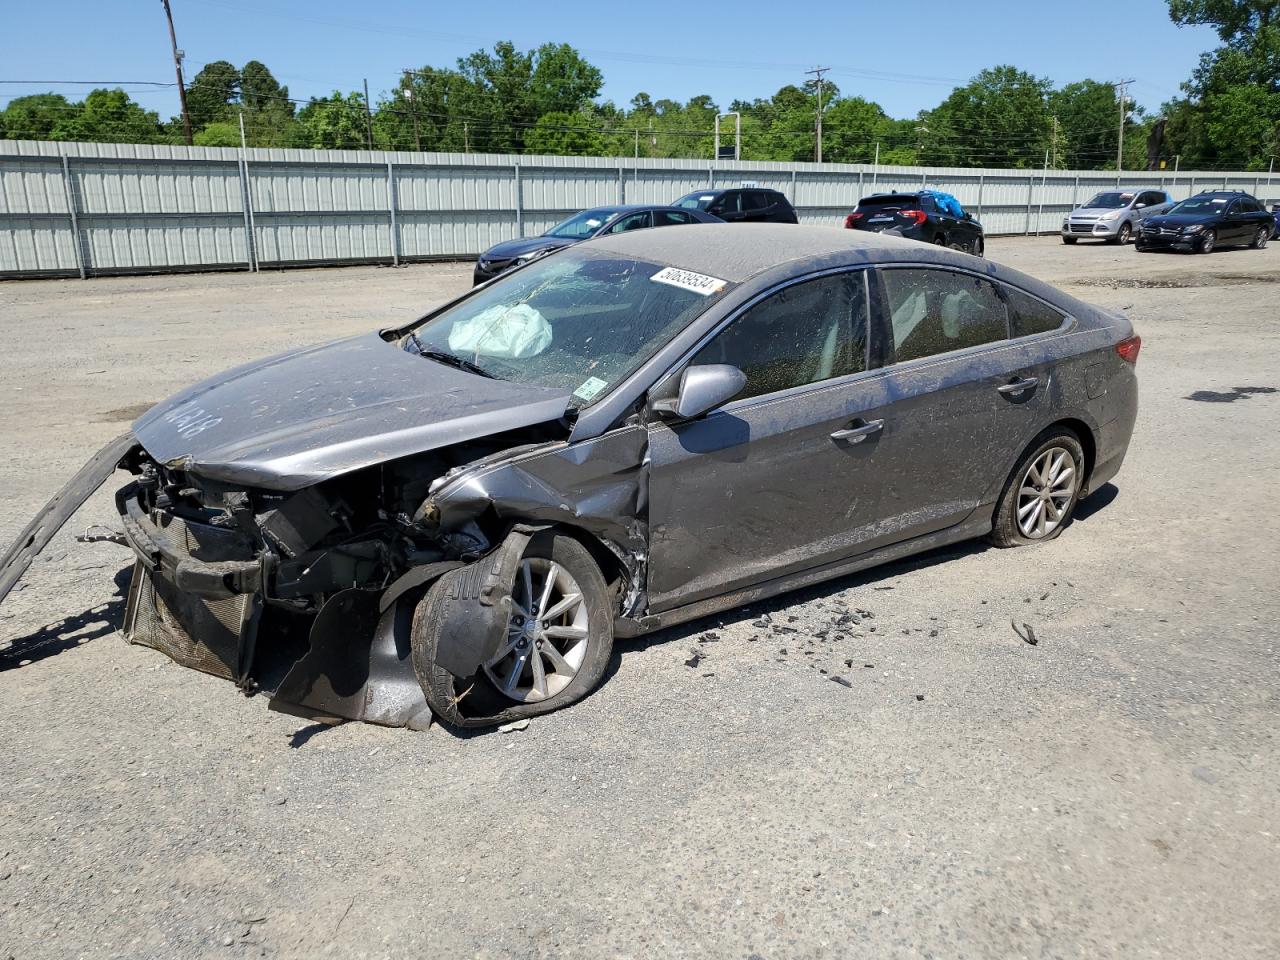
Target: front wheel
[555, 651]
[1041, 492]
[1123, 234]
[1069, 241]
[1260, 238]
[1208, 241]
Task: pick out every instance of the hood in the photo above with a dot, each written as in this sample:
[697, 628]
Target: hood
[301, 417]
[1097, 211]
[1180, 219]
[511, 249]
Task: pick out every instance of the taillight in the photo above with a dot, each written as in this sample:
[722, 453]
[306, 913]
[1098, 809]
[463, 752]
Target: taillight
[851, 219]
[915, 216]
[1128, 348]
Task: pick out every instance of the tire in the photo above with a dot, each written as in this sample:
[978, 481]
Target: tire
[939, 241]
[1140, 247]
[480, 700]
[1208, 240]
[1260, 239]
[1069, 241]
[1122, 235]
[1006, 528]
[979, 248]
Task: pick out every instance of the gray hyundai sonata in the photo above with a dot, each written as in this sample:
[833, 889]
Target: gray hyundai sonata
[456, 517]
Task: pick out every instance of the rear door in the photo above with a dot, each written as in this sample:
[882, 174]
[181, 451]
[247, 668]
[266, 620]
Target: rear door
[943, 335]
[755, 206]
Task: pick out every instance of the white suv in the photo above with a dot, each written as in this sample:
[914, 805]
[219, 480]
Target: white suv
[1114, 215]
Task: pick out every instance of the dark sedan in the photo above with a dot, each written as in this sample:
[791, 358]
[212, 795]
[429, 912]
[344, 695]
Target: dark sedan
[596, 222]
[457, 516]
[1201, 224]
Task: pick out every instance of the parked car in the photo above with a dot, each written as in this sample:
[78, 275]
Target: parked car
[923, 216]
[458, 515]
[596, 222]
[1114, 215]
[741, 205]
[1275, 213]
[1209, 220]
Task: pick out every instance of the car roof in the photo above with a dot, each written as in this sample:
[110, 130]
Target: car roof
[743, 250]
[740, 252]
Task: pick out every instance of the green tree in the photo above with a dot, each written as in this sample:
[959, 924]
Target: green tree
[565, 134]
[110, 116]
[1088, 124]
[211, 94]
[35, 117]
[221, 134]
[1000, 119]
[335, 122]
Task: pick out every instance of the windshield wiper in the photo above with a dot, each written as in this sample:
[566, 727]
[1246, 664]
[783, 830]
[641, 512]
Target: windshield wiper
[448, 359]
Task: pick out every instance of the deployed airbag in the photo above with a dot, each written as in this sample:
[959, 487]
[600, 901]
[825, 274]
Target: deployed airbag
[510, 332]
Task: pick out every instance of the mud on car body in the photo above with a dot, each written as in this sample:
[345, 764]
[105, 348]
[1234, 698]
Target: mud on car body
[457, 516]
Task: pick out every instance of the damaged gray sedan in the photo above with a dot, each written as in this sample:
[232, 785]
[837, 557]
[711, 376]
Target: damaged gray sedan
[458, 516]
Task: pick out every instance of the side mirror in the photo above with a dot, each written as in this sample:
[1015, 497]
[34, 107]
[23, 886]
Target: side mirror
[702, 388]
[1139, 206]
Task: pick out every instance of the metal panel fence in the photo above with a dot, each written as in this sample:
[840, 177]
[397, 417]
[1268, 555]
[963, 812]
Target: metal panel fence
[84, 209]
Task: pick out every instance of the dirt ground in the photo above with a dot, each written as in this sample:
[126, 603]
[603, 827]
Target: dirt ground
[1109, 792]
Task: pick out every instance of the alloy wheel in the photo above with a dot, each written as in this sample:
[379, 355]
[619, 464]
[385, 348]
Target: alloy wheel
[1044, 496]
[1126, 231]
[546, 641]
[1210, 238]
[1260, 241]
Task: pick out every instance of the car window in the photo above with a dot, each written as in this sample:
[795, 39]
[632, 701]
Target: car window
[726, 204]
[1151, 198]
[936, 311]
[754, 200]
[667, 218]
[696, 201]
[1027, 315]
[1249, 205]
[803, 334]
[578, 320]
[581, 225]
[927, 205]
[633, 221]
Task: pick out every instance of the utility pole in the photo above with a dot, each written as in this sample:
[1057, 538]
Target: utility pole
[817, 144]
[1054, 142]
[1124, 103]
[177, 65]
[368, 117]
[413, 110]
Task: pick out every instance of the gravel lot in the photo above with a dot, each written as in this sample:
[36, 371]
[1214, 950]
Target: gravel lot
[1110, 792]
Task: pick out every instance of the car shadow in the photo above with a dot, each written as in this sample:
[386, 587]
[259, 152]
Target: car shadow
[782, 602]
[1100, 499]
[69, 632]
[1095, 502]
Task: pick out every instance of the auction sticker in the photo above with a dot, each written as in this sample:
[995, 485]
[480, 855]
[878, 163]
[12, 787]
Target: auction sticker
[590, 387]
[688, 280]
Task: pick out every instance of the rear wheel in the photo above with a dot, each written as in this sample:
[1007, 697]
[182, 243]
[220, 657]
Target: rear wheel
[1260, 238]
[1041, 492]
[1208, 241]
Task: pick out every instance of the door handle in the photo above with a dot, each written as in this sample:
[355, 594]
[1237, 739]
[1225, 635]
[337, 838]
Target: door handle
[1018, 386]
[859, 433]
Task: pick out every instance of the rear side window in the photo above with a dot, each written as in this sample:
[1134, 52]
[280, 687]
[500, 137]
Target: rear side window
[1027, 315]
[803, 334]
[667, 218]
[937, 311]
[726, 204]
[755, 200]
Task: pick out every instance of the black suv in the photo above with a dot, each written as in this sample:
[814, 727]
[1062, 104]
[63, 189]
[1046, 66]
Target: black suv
[927, 216]
[1201, 224]
[741, 205]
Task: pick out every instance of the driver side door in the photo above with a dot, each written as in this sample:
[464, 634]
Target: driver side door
[772, 481]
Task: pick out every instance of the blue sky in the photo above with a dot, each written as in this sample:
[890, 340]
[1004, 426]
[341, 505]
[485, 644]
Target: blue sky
[906, 55]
